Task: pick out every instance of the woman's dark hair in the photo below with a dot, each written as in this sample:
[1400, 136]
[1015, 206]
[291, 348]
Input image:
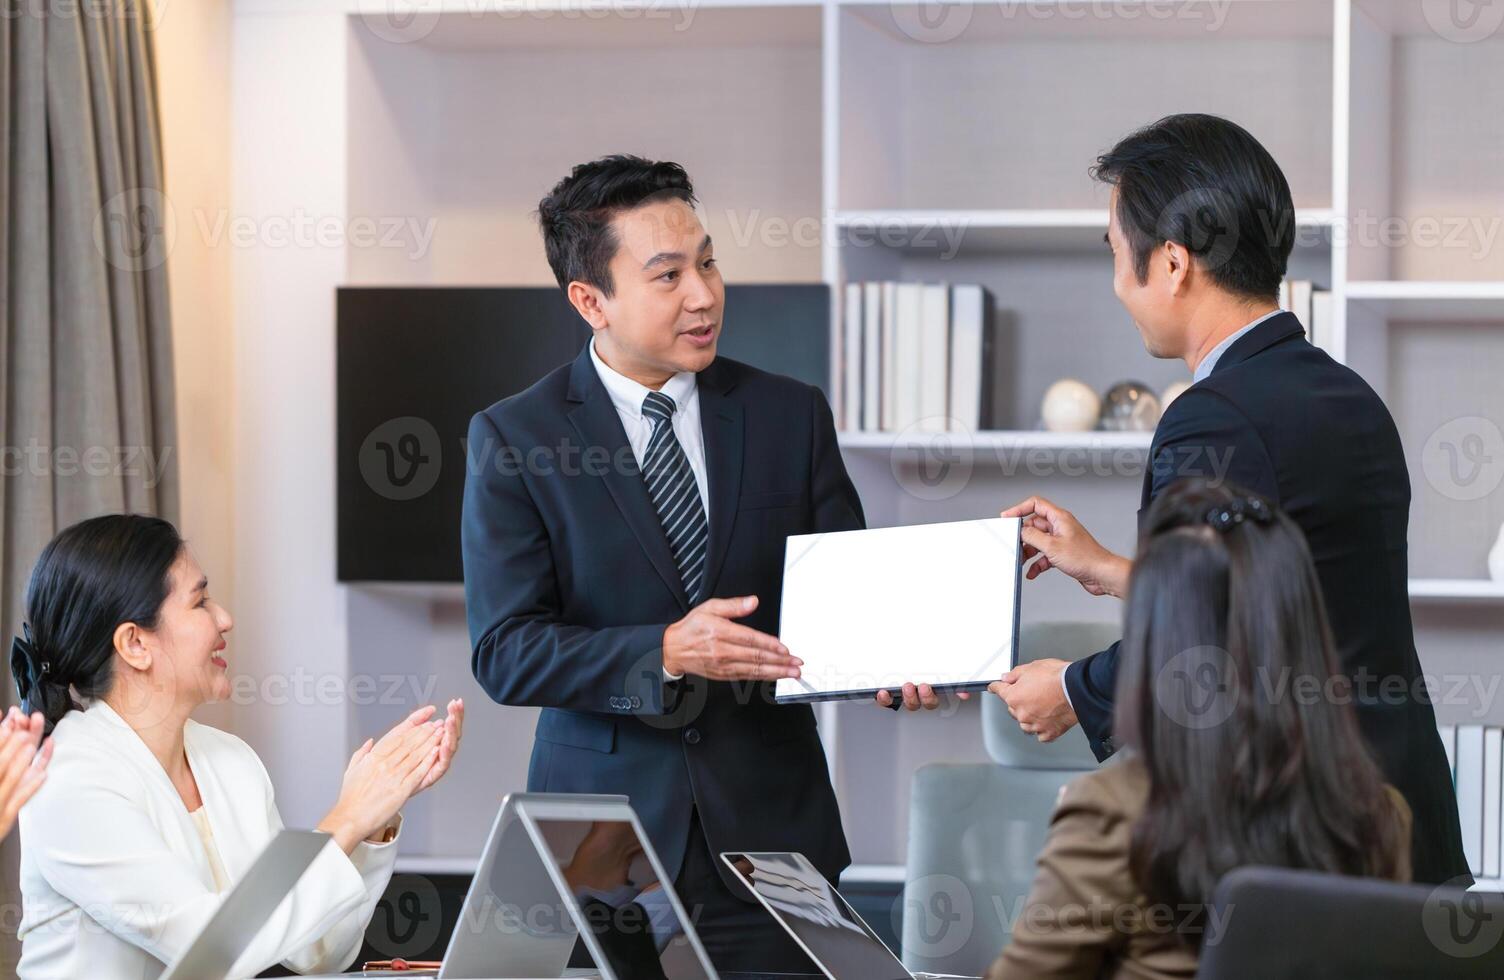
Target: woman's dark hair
[90, 578]
[1228, 694]
[576, 215]
[1207, 184]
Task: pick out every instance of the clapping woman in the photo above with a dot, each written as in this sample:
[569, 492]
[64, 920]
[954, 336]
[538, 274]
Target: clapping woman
[147, 817]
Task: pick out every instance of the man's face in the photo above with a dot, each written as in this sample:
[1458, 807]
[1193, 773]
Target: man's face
[664, 315]
[1151, 303]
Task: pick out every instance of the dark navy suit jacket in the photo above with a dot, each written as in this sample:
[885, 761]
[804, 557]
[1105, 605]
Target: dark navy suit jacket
[569, 586]
[1280, 417]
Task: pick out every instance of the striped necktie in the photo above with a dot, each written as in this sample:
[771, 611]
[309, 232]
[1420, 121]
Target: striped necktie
[671, 484]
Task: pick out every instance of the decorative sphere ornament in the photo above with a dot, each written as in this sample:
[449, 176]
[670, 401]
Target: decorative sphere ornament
[1130, 406]
[1172, 391]
[1070, 406]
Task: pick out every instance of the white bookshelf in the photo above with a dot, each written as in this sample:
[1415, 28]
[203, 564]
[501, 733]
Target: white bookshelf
[806, 125]
[1456, 590]
[979, 443]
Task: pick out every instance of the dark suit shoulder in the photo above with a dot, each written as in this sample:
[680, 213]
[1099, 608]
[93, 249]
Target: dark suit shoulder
[1294, 367]
[1198, 405]
[758, 381]
[545, 395]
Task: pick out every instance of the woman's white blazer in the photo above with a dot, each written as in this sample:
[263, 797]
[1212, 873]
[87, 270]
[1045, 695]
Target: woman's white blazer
[114, 878]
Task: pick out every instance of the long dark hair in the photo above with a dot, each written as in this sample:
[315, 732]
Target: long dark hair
[90, 578]
[1247, 764]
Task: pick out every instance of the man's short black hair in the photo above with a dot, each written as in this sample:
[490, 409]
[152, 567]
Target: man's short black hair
[1207, 184]
[576, 215]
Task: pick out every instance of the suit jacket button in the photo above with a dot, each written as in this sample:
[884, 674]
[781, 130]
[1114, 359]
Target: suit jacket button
[692, 736]
[636, 702]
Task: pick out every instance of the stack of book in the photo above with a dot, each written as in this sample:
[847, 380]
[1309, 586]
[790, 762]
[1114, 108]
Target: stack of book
[1311, 306]
[1476, 753]
[913, 356]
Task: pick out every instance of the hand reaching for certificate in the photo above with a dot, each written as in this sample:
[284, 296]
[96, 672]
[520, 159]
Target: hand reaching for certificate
[1057, 539]
[706, 642]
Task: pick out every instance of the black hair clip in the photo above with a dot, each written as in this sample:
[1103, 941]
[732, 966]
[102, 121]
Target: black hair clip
[1255, 508]
[1225, 517]
[22, 645]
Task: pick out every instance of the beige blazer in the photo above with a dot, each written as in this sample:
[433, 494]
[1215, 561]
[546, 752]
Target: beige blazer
[115, 879]
[1085, 917]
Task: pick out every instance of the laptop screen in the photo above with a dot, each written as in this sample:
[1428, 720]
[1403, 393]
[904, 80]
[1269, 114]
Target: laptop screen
[621, 900]
[817, 916]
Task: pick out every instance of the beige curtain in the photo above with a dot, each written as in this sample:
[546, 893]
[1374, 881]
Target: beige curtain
[86, 395]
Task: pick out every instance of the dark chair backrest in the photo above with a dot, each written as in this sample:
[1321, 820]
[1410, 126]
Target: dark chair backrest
[1273, 922]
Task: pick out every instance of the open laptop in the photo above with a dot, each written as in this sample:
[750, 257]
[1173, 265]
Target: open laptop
[212, 954]
[569, 886]
[811, 911]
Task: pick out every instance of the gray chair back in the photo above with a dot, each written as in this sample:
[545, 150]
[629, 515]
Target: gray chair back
[975, 831]
[1275, 922]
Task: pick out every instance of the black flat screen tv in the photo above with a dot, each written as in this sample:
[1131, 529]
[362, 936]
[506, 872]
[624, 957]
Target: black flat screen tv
[413, 364]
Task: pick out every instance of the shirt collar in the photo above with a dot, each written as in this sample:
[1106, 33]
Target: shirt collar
[1204, 369]
[627, 395]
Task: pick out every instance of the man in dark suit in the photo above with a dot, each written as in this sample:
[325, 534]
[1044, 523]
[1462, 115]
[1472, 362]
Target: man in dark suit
[1201, 226]
[623, 534]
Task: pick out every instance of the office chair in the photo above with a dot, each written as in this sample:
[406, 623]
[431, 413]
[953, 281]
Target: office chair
[976, 830]
[1304, 925]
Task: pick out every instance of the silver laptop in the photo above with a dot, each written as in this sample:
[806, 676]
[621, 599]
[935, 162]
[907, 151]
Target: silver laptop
[569, 885]
[212, 954]
[822, 922]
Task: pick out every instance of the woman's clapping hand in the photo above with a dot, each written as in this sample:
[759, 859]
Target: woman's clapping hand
[385, 773]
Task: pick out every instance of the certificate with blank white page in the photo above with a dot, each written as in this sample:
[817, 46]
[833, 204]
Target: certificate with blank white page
[929, 603]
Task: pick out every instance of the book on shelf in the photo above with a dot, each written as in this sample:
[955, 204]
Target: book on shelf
[1478, 794]
[889, 316]
[872, 363]
[1311, 306]
[970, 351]
[849, 394]
[907, 350]
[914, 355]
[1320, 332]
[1493, 758]
[934, 356]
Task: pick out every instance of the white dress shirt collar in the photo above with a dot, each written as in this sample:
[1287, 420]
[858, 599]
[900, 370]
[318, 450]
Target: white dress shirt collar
[627, 395]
